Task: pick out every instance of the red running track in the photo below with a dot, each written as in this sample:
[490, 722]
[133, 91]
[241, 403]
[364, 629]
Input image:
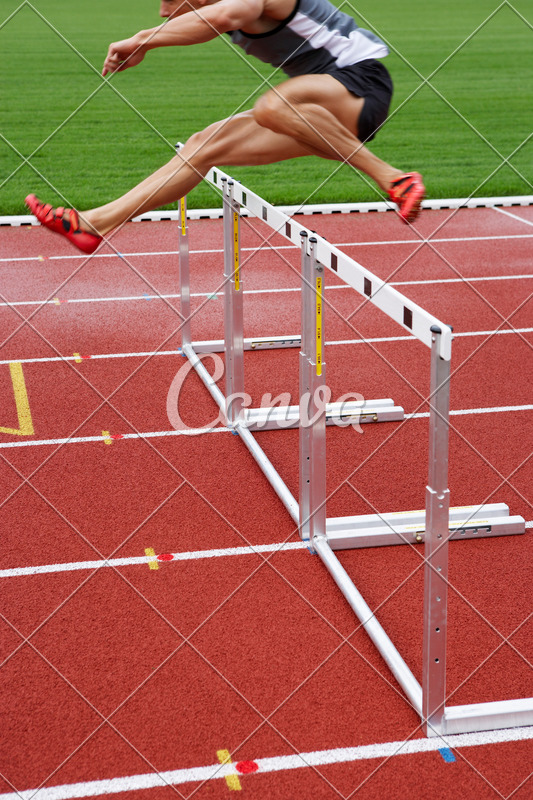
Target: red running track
[143, 642]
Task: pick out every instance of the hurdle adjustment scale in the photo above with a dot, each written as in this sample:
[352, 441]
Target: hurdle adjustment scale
[434, 526]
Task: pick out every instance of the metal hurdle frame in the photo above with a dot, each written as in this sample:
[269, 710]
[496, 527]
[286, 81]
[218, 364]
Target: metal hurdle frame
[434, 526]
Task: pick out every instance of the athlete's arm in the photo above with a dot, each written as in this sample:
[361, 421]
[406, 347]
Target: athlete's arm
[194, 27]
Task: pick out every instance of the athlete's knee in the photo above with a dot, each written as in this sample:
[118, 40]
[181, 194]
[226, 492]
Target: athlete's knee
[268, 110]
[197, 141]
[197, 149]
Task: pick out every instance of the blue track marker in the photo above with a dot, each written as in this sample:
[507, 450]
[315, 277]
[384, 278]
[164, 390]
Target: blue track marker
[447, 754]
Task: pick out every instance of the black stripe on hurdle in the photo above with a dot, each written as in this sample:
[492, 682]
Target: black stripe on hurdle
[408, 317]
[368, 287]
[334, 262]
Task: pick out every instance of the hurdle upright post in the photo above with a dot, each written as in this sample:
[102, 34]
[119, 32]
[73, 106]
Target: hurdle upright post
[304, 388]
[233, 306]
[312, 433]
[436, 544]
[184, 273]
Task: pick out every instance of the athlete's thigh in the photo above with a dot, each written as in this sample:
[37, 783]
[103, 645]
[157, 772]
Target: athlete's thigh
[240, 141]
[325, 91]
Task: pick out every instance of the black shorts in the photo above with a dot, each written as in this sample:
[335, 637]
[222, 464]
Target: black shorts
[371, 80]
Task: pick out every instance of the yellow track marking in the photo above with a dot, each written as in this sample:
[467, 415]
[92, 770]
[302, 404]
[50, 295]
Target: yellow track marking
[25, 422]
[232, 781]
[150, 552]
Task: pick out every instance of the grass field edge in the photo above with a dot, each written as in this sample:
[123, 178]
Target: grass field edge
[323, 208]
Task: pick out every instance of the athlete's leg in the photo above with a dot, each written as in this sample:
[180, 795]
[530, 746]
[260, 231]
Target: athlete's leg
[237, 141]
[319, 112]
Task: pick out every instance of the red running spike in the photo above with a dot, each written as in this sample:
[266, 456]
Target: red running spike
[65, 222]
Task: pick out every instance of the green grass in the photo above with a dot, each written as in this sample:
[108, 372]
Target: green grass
[457, 132]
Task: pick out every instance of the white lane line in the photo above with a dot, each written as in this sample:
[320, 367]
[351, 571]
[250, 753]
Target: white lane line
[150, 354]
[270, 246]
[465, 280]
[465, 411]
[259, 766]
[288, 290]
[161, 558]
[115, 436]
[203, 431]
[514, 216]
[100, 356]
[457, 335]
[193, 555]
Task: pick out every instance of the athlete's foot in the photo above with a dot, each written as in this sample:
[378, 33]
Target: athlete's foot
[407, 191]
[64, 221]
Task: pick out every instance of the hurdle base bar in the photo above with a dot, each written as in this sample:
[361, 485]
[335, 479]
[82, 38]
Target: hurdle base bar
[465, 522]
[486, 717]
[253, 343]
[341, 414]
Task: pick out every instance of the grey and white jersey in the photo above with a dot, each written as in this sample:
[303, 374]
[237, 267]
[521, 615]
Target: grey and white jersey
[316, 37]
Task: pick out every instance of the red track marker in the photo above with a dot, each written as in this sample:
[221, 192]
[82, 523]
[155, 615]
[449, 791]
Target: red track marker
[246, 767]
[165, 557]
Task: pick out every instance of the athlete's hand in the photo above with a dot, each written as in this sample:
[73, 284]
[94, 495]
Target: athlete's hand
[122, 55]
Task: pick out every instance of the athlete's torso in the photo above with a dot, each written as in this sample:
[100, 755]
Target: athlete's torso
[314, 38]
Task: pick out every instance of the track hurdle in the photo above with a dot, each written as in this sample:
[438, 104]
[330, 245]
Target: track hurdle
[435, 526]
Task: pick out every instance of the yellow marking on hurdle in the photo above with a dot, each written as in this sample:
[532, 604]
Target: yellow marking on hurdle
[232, 781]
[319, 322]
[183, 217]
[22, 404]
[236, 264]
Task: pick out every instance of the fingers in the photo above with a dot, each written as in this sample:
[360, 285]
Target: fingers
[112, 61]
[120, 56]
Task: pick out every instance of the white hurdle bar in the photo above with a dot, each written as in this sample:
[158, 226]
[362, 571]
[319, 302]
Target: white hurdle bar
[435, 526]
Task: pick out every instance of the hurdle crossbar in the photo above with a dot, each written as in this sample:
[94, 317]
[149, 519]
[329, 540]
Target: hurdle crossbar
[403, 311]
[435, 526]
